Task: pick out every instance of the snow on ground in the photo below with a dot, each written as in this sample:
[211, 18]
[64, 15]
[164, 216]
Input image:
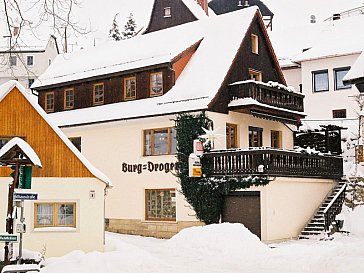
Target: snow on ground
[220, 248]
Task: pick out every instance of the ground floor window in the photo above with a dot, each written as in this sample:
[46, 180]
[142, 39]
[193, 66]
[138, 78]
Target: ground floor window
[255, 136]
[55, 214]
[160, 204]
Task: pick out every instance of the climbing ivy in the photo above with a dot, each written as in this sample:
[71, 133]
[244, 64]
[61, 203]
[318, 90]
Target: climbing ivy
[205, 194]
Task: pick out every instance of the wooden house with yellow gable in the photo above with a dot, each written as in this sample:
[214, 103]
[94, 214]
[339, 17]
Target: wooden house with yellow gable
[70, 205]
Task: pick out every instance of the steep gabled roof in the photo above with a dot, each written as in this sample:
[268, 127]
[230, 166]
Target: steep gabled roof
[357, 70]
[8, 87]
[224, 6]
[221, 38]
[27, 42]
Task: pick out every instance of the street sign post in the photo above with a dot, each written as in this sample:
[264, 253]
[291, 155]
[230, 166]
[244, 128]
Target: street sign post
[8, 238]
[26, 196]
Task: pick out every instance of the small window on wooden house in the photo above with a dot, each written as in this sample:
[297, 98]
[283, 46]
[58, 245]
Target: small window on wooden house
[130, 88]
[231, 136]
[255, 75]
[49, 102]
[341, 113]
[255, 44]
[99, 93]
[276, 139]
[69, 98]
[156, 84]
[160, 204]
[255, 136]
[167, 12]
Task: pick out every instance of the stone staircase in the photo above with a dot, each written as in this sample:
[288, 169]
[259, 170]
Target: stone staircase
[322, 219]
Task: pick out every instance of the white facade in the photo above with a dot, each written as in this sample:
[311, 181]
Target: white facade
[321, 104]
[28, 62]
[87, 235]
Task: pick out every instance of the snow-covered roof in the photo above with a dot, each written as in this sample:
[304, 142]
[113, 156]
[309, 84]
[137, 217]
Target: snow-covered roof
[334, 40]
[26, 41]
[357, 70]
[196, 9]
[7, 87]
[115, 56]
[194, 89]
[25, 147]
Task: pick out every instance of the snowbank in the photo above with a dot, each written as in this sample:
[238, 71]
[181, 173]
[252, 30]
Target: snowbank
[353, 220]
[227, 239]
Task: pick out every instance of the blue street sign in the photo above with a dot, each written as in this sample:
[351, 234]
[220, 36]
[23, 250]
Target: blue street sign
[26, 196]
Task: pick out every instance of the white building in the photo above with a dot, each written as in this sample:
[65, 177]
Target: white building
[26, 58]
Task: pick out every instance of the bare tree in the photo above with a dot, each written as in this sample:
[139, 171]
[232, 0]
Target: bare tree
[32, 16]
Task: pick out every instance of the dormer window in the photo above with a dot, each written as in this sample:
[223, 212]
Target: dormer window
[255, 44]
[156, 84]
[167, 12]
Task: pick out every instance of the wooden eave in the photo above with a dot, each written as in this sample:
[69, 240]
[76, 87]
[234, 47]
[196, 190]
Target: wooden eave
[269, 113]
[103, 77]
[187, 51]
[224, 83]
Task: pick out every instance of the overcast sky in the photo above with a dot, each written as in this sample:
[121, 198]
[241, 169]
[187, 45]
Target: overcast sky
[98, 15]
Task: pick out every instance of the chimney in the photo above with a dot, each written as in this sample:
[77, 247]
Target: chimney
[204, 5]
[15, 31]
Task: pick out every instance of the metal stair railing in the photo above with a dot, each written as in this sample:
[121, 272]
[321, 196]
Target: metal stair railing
[334, 207]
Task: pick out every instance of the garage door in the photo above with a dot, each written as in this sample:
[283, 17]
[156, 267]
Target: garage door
[244, 208]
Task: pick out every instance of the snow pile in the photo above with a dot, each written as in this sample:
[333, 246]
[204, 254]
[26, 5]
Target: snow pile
[353, 220]
[229, 240]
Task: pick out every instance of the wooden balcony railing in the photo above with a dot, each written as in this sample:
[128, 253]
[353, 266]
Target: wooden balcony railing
[263, 93]
[274, 162]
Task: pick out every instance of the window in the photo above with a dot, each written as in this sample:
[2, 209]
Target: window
[255, 75]
[98, 93]
[276, 139]
[76, 141]
[339, 113]
[320, 80]
[55, 214]
[69, 98]
[130, 88]
[30, 60]
[160, 204]
[255, 47]
[339, 74]
[49, 102]
[231, 136]
[167, 12]
[156, 84]
[30, 82]
[255, 136]
[12, 60]
[160, 141]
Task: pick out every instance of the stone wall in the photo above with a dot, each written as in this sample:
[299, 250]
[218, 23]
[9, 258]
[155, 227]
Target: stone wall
[163, 230]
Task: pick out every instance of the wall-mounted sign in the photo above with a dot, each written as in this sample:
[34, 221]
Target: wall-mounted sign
[149, 167]
[198, 147]
[194, 166]
[25, 196]
[9, 238]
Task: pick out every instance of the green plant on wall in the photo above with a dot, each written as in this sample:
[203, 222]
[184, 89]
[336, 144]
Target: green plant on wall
[206, 194]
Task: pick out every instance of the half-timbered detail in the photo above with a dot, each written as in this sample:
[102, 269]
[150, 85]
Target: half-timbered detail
[206, 68]
[70, 190]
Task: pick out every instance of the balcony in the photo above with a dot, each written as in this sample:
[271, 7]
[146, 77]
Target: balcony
[274, 162]
[269, 99]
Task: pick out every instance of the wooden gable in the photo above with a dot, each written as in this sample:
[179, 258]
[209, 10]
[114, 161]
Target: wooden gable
[245, 60]
[19, 118]
[179, 14]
